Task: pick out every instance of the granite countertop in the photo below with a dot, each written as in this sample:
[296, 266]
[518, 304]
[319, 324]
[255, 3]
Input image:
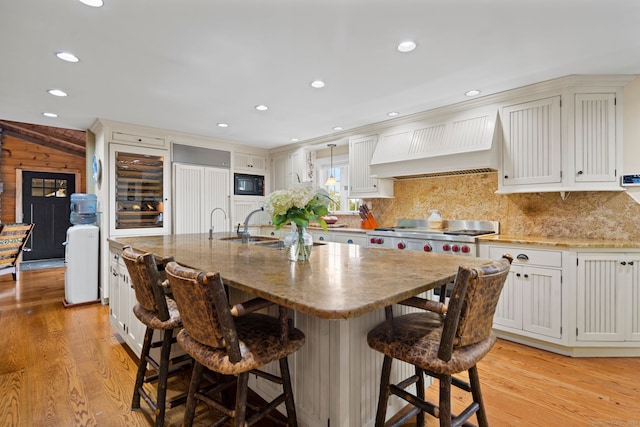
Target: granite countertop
[560, 242]
[340, 281]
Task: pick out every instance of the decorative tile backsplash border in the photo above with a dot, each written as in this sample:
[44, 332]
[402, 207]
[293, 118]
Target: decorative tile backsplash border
[582, 215]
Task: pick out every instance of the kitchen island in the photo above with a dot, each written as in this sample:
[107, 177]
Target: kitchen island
[336, 297]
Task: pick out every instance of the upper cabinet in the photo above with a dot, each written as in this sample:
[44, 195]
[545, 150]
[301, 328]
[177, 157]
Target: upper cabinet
[532, 144]
[250, 162]
[570, 140]
[291, 167]
[361, 184]
[594, 139]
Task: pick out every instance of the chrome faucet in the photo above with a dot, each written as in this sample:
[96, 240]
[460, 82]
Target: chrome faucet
[211, 219]
[244, 234]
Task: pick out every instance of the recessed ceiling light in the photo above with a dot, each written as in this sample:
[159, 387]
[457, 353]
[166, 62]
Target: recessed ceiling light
[393, 113]
[93, 3]
[405, 47]
[294, 140]
[474, 92]
[50, 114]
[66, 56]
[223, 125]
[317, 84]
[337, 128]
[261, 107]
[57, 92]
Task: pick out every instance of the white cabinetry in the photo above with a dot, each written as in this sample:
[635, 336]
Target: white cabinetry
[531, 151]
[597, 153]
[531, 300]
[361, 184]
[243, 206]
[359, 239]
[121, 304]
[198, 190]
[608, 298]
[289, 168]
[570, 140]
[250, 162]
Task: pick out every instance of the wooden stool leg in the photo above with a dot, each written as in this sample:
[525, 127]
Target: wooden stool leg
[292, 419]
[165, 354]
[241, 399]
[142, 368]
[194, 386]
[420, 394]
[381, 414]
[474, 379]
[445, 400]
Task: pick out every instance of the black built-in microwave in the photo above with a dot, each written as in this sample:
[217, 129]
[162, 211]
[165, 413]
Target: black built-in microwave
[248, 185]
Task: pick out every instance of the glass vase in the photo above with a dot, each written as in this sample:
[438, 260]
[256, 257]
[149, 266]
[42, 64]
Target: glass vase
[298, 244]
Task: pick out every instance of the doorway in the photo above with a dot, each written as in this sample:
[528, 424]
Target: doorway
[46, 200]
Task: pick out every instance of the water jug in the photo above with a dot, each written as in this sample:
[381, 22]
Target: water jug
[83, 208]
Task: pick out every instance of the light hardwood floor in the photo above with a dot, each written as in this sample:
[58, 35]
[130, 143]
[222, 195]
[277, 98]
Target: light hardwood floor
[67, 367]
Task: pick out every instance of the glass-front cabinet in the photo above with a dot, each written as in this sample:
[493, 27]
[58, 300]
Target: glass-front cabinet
[139, 191]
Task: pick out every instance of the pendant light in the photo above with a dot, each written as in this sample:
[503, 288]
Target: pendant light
[331, 180]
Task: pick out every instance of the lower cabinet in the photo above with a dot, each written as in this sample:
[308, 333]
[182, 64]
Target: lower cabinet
[531, 300]
[608, 298]
[121, 302]
[359, 239]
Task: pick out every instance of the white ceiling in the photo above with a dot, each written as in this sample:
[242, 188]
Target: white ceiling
[185, 65]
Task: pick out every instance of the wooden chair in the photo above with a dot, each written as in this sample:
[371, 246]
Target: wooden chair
[13, 237]
[440, 342]
[233, 342]
[158, 312]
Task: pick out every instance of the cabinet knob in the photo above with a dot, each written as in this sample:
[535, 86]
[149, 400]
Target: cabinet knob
[506, 177]
[580, 172]
[350, 241]
[623, 263]
[630, 262]
[522, 257]
[517, 274]
[526, 276]
[321, 238]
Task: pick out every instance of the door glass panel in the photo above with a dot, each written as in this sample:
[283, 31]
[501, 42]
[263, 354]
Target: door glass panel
[49, 187]
[61, 185]
[139, 191]
[37, 187]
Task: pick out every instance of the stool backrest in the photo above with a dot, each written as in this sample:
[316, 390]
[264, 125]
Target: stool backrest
[146, 279]
[204, 308]
[472, 305]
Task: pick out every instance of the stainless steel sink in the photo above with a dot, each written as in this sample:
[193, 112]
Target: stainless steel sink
[252, 239]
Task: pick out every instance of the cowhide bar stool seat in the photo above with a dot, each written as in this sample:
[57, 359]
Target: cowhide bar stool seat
[233, 342]
[442, 341]
[157, 312]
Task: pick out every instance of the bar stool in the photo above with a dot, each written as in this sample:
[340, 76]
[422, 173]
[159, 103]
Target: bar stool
[157, 312]
[233, 342]
[440, 342]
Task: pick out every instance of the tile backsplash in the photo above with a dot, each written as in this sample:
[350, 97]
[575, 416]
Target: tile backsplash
[582, 215]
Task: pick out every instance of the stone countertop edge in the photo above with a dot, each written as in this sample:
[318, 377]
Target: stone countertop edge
[560, 242]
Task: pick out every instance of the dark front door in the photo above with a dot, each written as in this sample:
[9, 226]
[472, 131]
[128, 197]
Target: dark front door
[46, 200]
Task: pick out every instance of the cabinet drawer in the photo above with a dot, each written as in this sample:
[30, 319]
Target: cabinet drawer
[523, 256]
[138, 139]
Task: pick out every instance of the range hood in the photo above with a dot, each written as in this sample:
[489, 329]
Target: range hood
[454, 145]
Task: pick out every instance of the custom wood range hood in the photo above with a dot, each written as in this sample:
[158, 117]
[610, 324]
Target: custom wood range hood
[466, 142]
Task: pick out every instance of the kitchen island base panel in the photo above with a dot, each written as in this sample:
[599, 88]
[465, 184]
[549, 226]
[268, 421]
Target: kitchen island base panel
[335, 375]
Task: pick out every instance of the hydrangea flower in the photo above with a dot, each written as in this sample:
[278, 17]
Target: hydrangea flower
[299, 204]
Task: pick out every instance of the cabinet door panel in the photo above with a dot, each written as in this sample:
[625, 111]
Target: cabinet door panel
[509, 308]
[595, 137]
[189, 216]
[532, 143]
[542, 301]
[600, 305]
[360, 154]
[633, 271]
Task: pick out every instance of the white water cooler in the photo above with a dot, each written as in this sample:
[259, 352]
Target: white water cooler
[81, 252]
